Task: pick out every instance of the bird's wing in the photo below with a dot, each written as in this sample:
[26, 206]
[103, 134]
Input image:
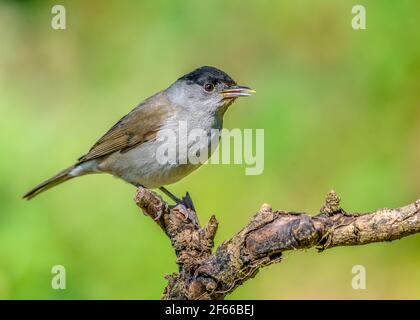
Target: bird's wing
[137, 127]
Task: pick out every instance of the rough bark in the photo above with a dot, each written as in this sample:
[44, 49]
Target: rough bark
[204, 274]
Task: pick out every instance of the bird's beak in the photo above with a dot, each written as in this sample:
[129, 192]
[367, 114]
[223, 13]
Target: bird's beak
[237, 91]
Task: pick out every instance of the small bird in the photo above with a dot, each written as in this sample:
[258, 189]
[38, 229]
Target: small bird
[128, 150]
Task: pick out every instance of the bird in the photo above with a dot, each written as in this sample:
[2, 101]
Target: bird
[128, 150]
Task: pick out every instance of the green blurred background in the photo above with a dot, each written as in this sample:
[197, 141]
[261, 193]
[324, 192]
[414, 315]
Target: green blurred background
[340, 109]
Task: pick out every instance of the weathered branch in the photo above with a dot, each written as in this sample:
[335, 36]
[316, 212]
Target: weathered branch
[206, 275]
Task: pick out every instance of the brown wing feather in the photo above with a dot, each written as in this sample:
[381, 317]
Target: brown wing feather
[138, 126]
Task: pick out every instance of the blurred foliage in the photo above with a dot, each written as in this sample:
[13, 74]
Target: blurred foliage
[340, 109]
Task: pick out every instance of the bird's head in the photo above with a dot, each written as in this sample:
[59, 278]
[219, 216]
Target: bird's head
[207, 88]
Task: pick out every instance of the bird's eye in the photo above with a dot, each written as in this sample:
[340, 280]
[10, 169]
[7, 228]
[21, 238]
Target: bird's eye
[208, 87]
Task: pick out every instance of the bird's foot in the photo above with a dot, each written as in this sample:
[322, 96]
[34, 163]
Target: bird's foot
[186, 201]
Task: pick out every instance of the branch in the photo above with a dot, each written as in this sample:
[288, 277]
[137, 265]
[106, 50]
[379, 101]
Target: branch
[206, 275]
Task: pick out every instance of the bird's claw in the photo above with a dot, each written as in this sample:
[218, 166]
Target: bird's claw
[187, 202]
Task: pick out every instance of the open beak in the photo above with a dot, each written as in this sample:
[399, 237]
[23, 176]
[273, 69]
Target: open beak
[237, 91]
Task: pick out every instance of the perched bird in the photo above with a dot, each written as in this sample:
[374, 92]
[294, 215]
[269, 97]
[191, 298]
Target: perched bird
[128, 150]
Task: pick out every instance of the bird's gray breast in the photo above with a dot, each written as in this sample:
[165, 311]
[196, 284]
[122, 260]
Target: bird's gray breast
[192, 133]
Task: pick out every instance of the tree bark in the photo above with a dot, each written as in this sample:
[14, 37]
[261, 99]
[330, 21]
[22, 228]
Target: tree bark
[204, 274]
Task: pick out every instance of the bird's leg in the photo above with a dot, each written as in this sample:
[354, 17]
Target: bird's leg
[186, 201]
[170, 194]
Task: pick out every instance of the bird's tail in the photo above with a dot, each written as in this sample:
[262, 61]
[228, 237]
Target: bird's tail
[51, 182]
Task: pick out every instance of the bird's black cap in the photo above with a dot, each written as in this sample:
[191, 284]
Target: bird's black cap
[208, 74]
